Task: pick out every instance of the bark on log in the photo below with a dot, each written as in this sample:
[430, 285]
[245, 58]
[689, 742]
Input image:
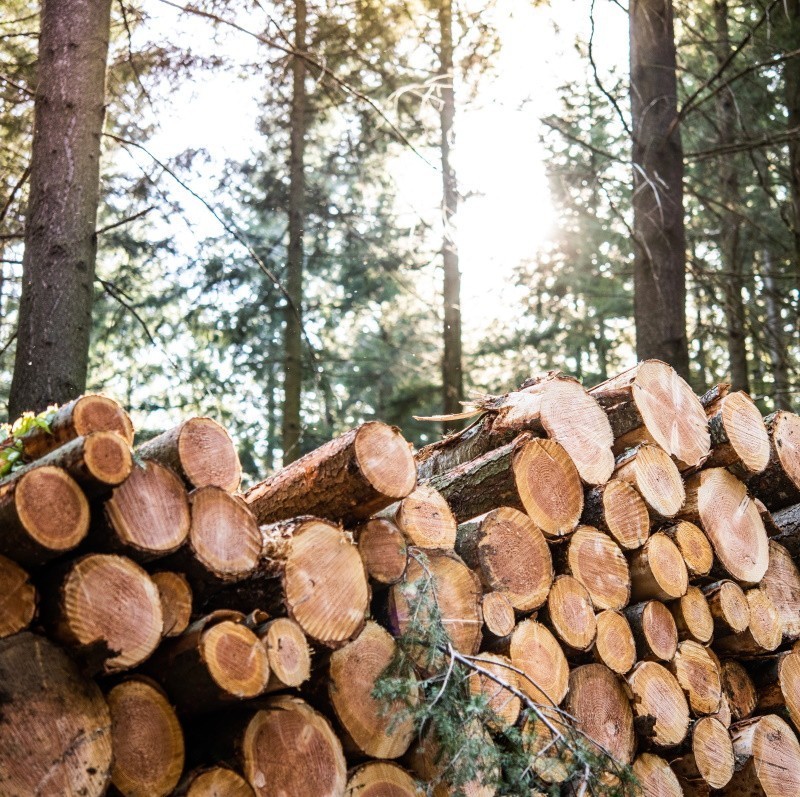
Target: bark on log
[424, 518]
[777, 682]
[383, 549]
[498, 614]
[655, 776]
[569, 613]
[729, 608]
[763, 633]
[381, 779]
[739, 439]
[176, 601]
[617, 508]
[779, 484]
[615, 646]
[504, 705]
[731, 521]
[787, 521]
[200, 451]
[556, 406]
[288, 653]
[510, 554]
[694, 546]
[739, 689]
[652, 403]
[213, 782]
[781, 582]
[697, 673]
[659, 704]
[693, 617]
[658, 570]
[348, 479]
[147, 740]
[43, 513]
[373, 727]
[597, 562]
[653, 629]
[78, 418]
[600, 706]
[107, 609]
[55, 724]
[17, 598]
[655, 477]
[711, 760]
[147, 516]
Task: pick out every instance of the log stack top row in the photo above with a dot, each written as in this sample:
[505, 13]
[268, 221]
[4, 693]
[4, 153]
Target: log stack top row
[627, 553]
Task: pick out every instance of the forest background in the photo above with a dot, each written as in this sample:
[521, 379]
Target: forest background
[316, 213]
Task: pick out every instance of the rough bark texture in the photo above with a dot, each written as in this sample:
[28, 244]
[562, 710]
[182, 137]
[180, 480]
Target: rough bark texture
[55, 313]
[659, 238]
[791, 81]
[779, 484]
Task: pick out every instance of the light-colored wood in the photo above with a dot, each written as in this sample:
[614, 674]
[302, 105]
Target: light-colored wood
[55, 725]
[781, 583]
[738, 688]
[711, 759]
[384, 550]
[570, 614]
[693, 617]
[658, 570]
[778, 485]
[534, 651]
[176, 601]
[655, 476]
[739, 439]
[654, 630]
[694, 546]
[778, 686]
[288, 653]
[697, 673]
[510, 554]
[729, 608]
[381, 779]
[731, 521]
[615, 646]
[600, 706]
[595, 560]
[659, 704]
[348, 479]
[616, 507]
[147, 739]
[763, 633]
[425, 519]
[17, 598]
[504, 705]
[498, 614]
[214, 782]
[655, 777]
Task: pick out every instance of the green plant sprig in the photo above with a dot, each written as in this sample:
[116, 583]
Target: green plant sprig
[11, 449]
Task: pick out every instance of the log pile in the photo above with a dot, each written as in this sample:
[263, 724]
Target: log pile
[625, 558]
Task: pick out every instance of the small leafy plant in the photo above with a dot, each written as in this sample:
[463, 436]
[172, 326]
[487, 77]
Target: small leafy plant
[11, 450]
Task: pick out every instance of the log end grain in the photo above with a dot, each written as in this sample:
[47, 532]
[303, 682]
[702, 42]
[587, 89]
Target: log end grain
[176, 601]
[713, 752]
[214, 782]
[693, 616]
[236, 659]
[94, 413]
[625, 514]
[694, 547]
[698, 674]
[287, 651]
[745, 430]
[656, 477]
[381, 779]
[208, 456]
[384, 550]
[504, 705]
[426, 520]
[569, 609]
[595, 560]
[615, 646]
[544, 670]
[107, 458]
[498, 614]
[659, 704]
[385, 460]
[655, 777]
[17, 598]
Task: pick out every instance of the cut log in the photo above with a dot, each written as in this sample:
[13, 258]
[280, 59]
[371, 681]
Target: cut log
[787, 521]
[656, 478]
[731, 521]
[510, 554]
[374, 728]
[457, 592]
[535, 652]
[78, 418]
[781, 582]
[381, 779]
[778, 686]
[694, 546]
[739, 439]
[214, 782]
[569, 613]
[176, 601]
[498, 614]
[556, 406]
[729, 608]
[655, 777]
[348, 479]
[55, 724]
[772, 755]
[618, 509]
[658, 570]
[651, 402]
[600, 706]
[653, 629]
[724, 713]
[147, 739]
[17, 598]
[615, 646]
[107, 609]
[738, 688]
[148, 515]
[659, 704]
[43, 513]
[779, 484]
[288, 653]
[711, 759]
[425, 519]
[693, 617]
[214, 664]
[384, 550]
[697, 673]
[98, 462]
[504, 705]
[594, 559]
[200, 451]
[763, 633]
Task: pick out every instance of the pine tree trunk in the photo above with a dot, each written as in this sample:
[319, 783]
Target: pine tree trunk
[293, 333]
[774, 332]
[452, 378]
[55, 314]
[791, 78]
[659, 238]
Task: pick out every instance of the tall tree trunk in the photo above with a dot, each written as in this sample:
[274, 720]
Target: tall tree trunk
[293, 334]
[775, 337]
[730, 224]
[55, 313]
[659, 240]
[792, 87]
[452, 378]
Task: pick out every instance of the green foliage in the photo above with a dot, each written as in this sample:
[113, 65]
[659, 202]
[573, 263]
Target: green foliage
[11, 453]
[463, 740]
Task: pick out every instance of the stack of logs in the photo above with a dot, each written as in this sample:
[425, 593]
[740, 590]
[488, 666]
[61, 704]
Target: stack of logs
[626, 553]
